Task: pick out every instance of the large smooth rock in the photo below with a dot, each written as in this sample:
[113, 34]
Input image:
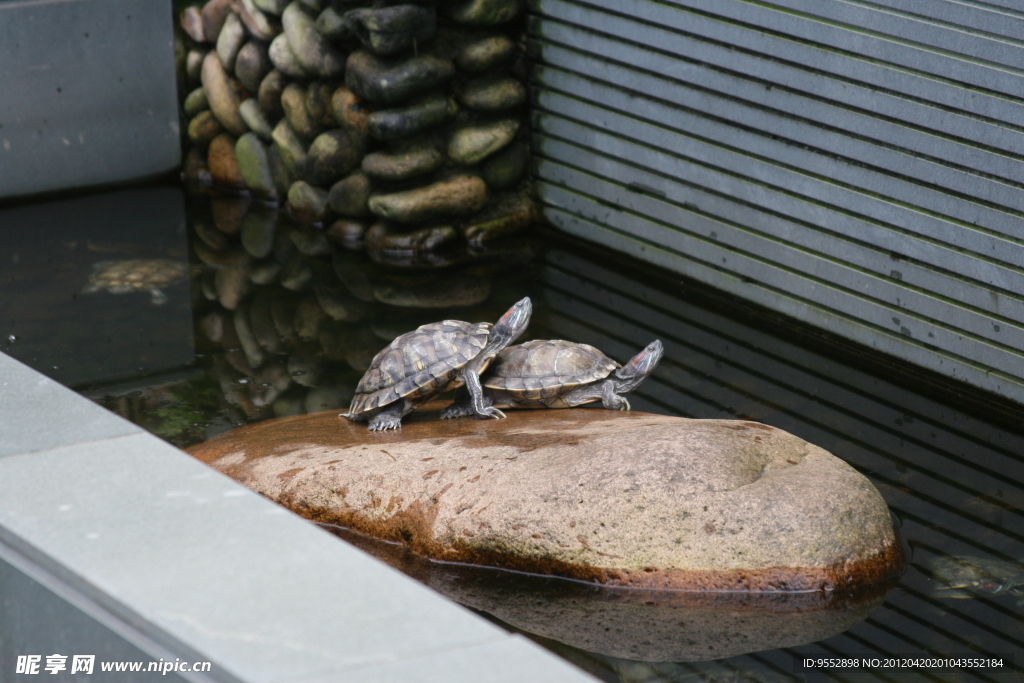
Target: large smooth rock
[493, 95]
[629, 499]
[222, 95]
[457, 196]
[230, 41]
[409, 161]
[252, 65]
[220, 157]
[350, 195]
[391, 81]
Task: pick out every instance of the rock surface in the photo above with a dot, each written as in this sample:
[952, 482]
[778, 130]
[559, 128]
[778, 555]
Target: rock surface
[622, 499]
[455, 196]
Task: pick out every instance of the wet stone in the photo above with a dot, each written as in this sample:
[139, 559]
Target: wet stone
[623, 499]
[331, 156]
[347, 232]
[220, 157]
[296, 274]
[408, 162]
[254, 166]
[349, 112]
[222, 95]
[265, 272]
[308, 318]
[257, 233]
[493, 95]
[228, 213]
[215, 12]
[285, 59]
[269, 95]
[318, 104]
[340, 305]
[505, 168]
[457, 196]
[252, 65]
[472, 144]
[194, 65]
[391, 30]
[204, 127]
[313, 51]
[195, 170]
[310, 241]
[252, 114]
[506, 216]
[257, 23]
[291, 149]
[457, 289]
[192, 24]
[293, 101]
[349, 196]
[387, 236]
[485, 12]
[307, 202]
[392, 81]
[230, 41]
[195, 102]
[232, 284]
[486, 54]
[391, 124]
[283, 177]
[275, 7]
[332, 25]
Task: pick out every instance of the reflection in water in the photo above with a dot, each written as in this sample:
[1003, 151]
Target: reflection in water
[634, 624]
[970, 577]
[285, 320]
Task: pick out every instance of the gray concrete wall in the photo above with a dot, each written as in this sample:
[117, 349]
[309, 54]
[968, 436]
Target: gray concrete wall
[87, 93]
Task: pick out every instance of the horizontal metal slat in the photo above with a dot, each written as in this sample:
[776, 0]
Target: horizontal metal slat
[779, 56]
[780, 301]
[918, 31]
[827, 158]
[744, 218]
[695, 168]
[899, 148]
[991, 20]
[877, 49]
[901, 301]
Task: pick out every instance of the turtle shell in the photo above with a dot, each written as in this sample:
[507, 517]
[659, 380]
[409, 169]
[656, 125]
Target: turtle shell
[420, 364]
[547, 368]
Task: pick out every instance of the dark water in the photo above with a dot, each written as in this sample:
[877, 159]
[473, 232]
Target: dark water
[190, 368]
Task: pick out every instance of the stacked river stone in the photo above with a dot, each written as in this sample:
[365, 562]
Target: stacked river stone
[401, 123]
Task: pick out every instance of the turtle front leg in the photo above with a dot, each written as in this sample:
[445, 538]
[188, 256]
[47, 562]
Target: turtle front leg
[462, 405]
[390, 417]
[603, 391]
[481, 407]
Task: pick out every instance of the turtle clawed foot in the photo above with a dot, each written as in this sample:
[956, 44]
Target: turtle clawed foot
[382, 423]
[624, 405]
[456, 410]
[491, 411]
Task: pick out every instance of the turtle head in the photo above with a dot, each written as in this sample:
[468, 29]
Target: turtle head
[639, 367]
[511, 325]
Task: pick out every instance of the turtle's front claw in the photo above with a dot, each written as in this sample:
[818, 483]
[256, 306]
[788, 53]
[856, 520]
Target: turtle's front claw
[624, 405]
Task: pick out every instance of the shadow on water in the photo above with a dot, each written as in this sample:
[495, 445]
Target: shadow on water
[272, 318]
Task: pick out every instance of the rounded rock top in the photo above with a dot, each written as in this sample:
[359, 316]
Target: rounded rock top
[630, 499]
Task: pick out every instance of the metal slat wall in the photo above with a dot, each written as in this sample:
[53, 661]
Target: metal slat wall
[856, 165]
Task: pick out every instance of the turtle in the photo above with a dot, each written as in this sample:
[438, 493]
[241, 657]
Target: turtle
[421, 364]
[136, 275]
[556, 373]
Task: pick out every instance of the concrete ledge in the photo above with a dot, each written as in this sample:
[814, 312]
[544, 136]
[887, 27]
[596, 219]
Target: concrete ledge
[197, 566]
